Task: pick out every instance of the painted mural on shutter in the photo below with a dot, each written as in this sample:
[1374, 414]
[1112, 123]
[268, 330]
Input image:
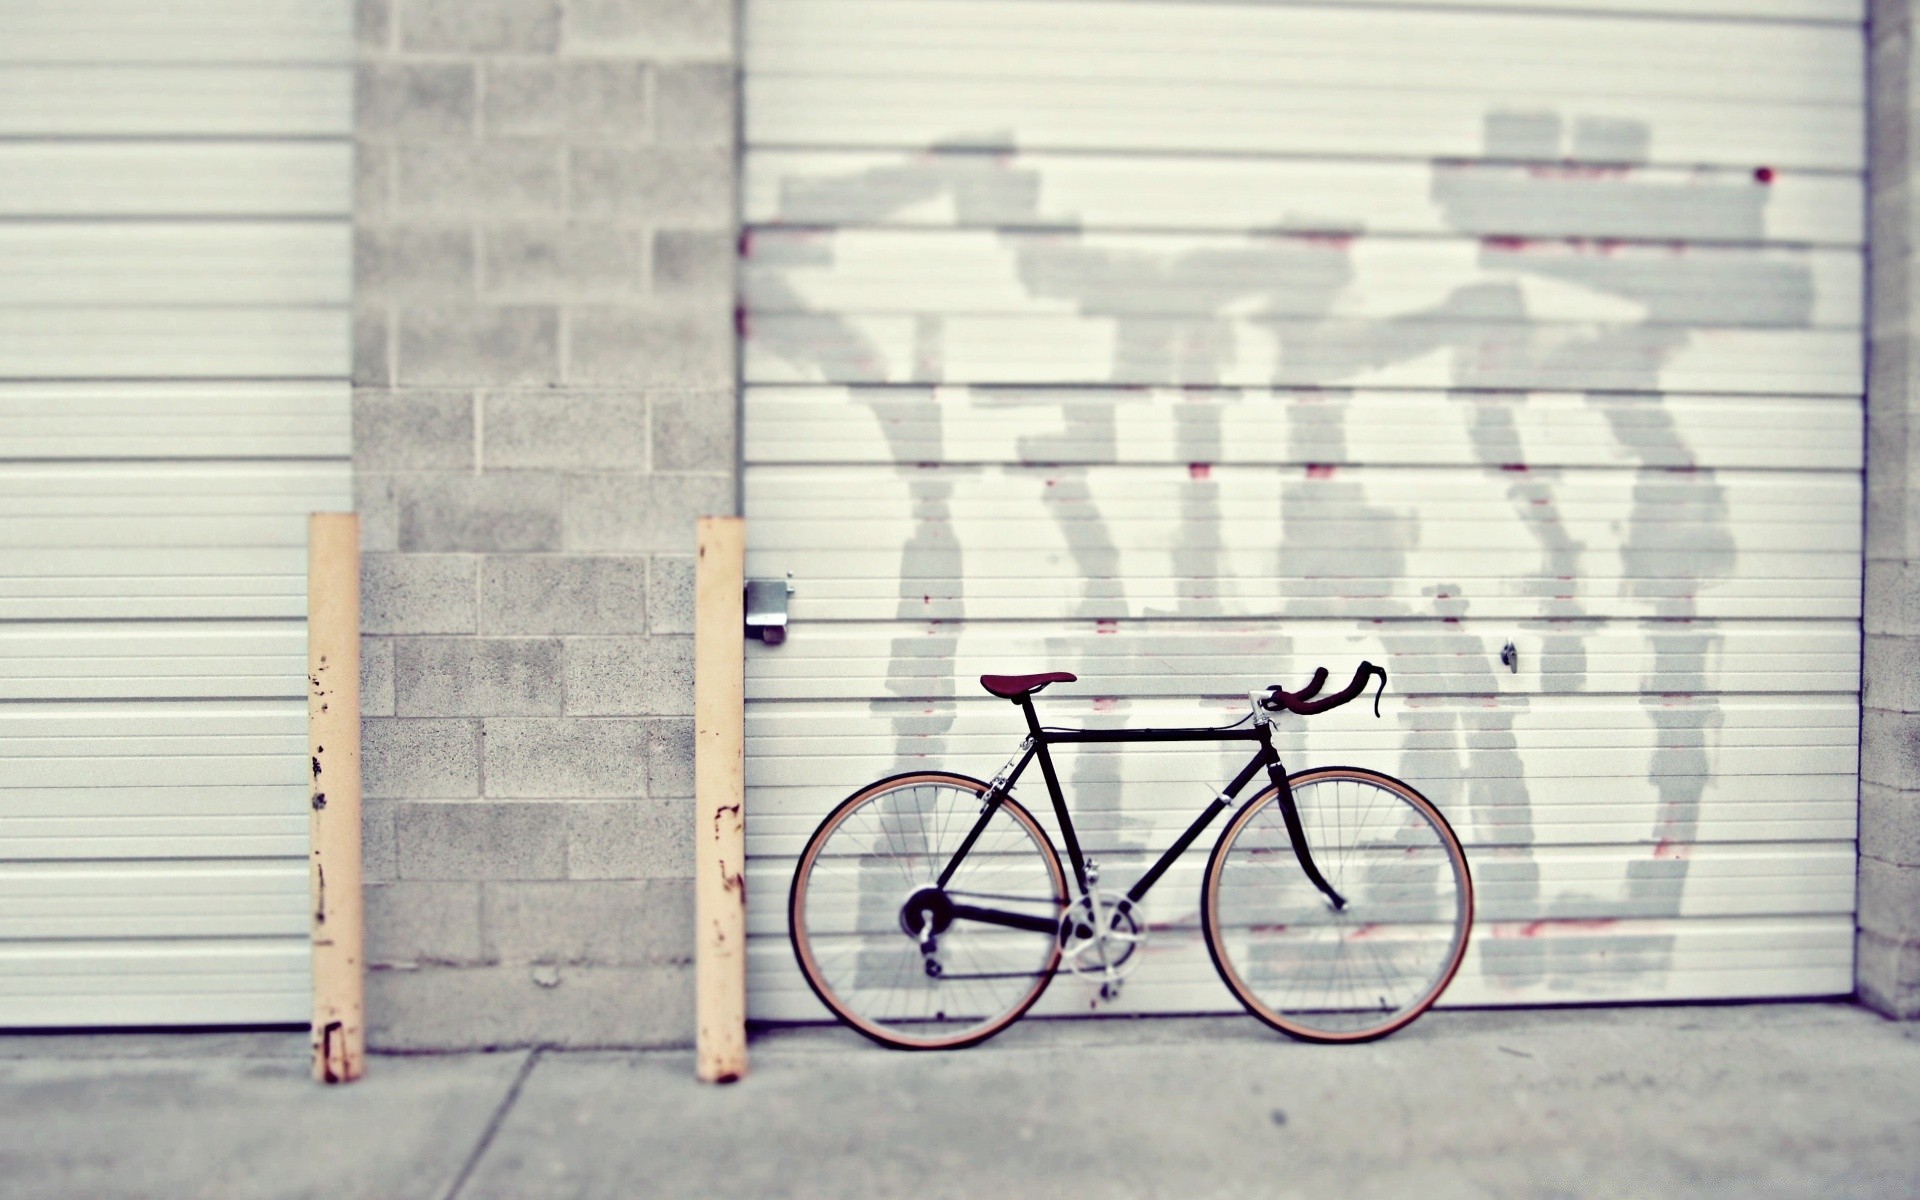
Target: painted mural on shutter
[1189, 346]
[175, 268]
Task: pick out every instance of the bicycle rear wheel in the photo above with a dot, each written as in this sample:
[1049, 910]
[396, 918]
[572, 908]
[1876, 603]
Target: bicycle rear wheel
[1338, 975]
[867, 884]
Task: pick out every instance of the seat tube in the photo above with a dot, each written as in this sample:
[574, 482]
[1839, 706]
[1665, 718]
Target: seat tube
[1067, 835]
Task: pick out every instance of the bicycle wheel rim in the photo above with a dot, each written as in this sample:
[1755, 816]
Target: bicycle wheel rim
[1355, 974]
[880, 846]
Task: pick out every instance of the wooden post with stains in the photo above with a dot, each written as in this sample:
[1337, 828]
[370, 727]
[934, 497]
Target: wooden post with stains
[333, 737]
[720, 882]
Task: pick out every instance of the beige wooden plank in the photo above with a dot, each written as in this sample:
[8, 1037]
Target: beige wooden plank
[333, 720]
[720, 909]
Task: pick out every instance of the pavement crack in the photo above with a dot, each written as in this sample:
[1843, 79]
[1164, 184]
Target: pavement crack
[493, 1125]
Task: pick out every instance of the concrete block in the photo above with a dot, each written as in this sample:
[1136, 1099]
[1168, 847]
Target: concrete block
[577, 100]
[642, 512]
[531, 757]
[376, 677]
[1890, 97]
[1890, 749]
[1886, 975]
[1890, 824]
[1890, 20]
[554, 593]
[372, 347]
[1890, 673]
[650, 347]
[688, 187]
[607, 101]
[693, 431]
[416, 759]
[1893, 522]
[1892, 348]
[630, 839]
[1890, 899]
[378, 861]
[580, 431]
[1889, 320]
[522, 98]
[670, 747]
[379, 517]
[695, 103]
[1889, 148]
[497, 1007]
[477, 677]
[372, 181]
[498, 511]
[414, 593]
[413, 100]
[627, 676]
[423, 922]
[619, 923]
[484, 347]
[418, 260]
[563, 262]
[659, 28]
[670, 592]
[497, 178]
[412, 431]
[1892, 598]
[1889, 441]
[373, 24]
[694, 262]
[1890, 217]
[483, 26]
[485, 840]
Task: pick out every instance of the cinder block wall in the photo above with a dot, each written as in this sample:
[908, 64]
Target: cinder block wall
[543, 402]
[1888, 962]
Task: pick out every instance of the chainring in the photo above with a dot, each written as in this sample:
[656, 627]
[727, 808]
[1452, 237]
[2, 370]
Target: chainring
[1104, 949]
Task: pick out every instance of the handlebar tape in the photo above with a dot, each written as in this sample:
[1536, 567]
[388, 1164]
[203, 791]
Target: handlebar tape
[1301, 703]
[1312, 689]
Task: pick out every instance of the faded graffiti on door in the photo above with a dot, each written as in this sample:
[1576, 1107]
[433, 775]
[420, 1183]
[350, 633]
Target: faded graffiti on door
[1178, 319]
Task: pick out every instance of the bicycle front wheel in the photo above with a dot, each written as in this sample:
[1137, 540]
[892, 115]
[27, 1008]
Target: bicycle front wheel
[1348, 974]
[867, 899]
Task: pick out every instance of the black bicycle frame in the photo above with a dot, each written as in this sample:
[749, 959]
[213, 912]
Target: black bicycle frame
[1040, 740]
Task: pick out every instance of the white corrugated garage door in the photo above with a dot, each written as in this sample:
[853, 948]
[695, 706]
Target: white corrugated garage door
[1187, 346]
[175, 198]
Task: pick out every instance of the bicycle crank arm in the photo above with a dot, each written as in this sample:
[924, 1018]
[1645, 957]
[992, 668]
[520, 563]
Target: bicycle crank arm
[994, 916]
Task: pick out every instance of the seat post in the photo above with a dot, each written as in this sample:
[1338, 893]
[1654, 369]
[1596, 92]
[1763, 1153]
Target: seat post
[1024, 702]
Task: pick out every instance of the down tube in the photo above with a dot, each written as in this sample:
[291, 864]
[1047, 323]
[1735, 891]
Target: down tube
[1214, 809]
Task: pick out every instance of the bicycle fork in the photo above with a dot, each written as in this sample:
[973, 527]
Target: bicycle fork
[1296, 832]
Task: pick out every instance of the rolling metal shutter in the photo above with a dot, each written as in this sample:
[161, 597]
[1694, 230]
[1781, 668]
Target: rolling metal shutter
[175, 201]
[1188, 346]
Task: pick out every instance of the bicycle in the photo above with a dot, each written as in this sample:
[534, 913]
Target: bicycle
[930, 910]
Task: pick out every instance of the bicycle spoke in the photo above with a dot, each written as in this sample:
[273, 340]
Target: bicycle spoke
[868, 860]
[1333, 974]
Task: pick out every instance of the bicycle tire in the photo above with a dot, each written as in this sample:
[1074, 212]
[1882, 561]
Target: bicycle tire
[1350, 975]
[886, 842]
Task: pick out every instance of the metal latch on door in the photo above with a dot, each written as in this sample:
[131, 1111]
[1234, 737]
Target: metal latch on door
[767, 609]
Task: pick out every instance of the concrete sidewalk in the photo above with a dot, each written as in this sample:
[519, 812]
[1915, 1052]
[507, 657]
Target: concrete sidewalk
[1805, 1099]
